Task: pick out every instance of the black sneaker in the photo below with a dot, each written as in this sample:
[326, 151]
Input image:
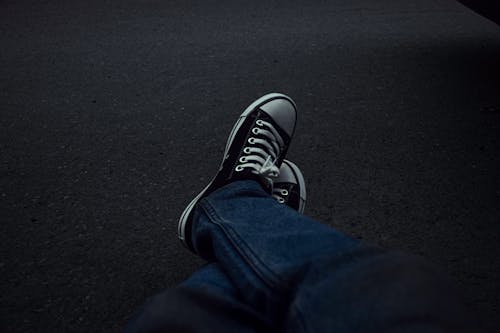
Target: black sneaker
[289, 187]
[255, 149]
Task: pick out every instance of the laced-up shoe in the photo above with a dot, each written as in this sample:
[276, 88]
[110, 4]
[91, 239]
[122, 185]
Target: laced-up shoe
[255, 149]
[289, 187]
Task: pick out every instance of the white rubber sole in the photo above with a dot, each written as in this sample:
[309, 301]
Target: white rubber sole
[181, 229]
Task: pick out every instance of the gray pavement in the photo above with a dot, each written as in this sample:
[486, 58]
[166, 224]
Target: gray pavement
[114, 114]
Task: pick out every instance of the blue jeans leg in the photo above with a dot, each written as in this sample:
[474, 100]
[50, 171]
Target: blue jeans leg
[303, 276]
[206, 302]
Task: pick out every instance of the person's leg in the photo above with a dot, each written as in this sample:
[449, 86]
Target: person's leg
[307, 277]
[288, 270]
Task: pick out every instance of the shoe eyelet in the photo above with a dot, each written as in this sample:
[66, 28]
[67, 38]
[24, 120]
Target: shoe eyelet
[251, 140]
[281, 200]
[247, 150]
[238, 168]
[255, 130]
[284, 192]
[243, 159]
[259, 122]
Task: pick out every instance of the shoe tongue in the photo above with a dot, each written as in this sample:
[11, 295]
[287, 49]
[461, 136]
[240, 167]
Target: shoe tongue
[267, 184]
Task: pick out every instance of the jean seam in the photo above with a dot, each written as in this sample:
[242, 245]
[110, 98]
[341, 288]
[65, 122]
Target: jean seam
[300, 317]
[252, 260]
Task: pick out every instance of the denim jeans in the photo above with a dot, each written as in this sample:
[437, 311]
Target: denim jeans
[272, 269]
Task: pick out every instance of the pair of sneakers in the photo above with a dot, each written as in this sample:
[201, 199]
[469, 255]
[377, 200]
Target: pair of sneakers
[256, 150]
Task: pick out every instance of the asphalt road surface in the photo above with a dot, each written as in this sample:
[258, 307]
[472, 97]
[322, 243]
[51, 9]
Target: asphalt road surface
[115, 114]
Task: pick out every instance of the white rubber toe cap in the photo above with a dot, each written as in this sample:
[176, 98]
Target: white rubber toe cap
[283, 112]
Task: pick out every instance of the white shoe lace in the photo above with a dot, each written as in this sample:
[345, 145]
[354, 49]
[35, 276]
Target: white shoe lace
[262, 161]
